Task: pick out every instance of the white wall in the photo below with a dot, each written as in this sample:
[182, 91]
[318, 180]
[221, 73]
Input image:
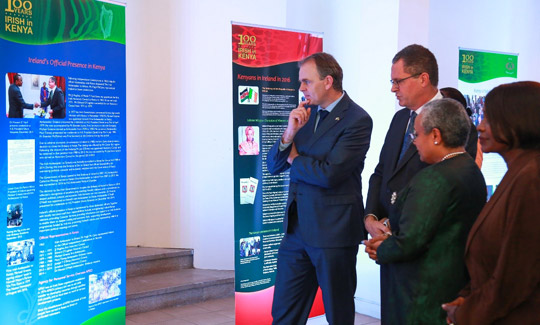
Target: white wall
[413, 22]
[504, 26]
[149, 117]
[202, 140]
[180, 181]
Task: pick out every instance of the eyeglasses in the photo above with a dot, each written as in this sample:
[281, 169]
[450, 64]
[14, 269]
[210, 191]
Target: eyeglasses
[398, 81]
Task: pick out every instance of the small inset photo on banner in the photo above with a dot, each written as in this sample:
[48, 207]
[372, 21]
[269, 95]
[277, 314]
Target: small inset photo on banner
[35, 96]
[476, 104]
[248, 95]
[250, 246]
[104, 285]
[20, 252]
[21, 161]
[248, 139]
[248, 189]
[14, 215]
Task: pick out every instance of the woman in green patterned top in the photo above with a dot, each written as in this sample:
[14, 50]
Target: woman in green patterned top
[421, 260]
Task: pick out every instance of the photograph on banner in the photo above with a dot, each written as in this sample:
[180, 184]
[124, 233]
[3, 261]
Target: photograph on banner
[248, 95]
[104, 285]
[14, 215]
[479, 72]
[20, 252]
[250, 246]
[248, 190]
[248, 136]
[26, 99]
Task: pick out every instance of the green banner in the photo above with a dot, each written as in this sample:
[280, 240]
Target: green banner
[479, 72]
[476, 66]
[39, 22]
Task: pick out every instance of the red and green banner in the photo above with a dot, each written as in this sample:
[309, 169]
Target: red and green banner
[265, 90]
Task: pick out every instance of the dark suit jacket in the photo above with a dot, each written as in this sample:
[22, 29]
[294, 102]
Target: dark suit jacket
[16, 102]
[325, 180]
[422, 262]
[57, 103]
[390, 175]
[503, 251]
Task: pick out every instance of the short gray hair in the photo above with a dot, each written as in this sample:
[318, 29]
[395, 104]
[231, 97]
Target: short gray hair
[449, 116]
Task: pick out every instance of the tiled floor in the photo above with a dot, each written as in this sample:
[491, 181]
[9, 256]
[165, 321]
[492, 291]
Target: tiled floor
[212, 312]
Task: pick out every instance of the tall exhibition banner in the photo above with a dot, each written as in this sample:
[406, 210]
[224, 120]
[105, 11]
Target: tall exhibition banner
[265, 90]
[62, 162]
[479, 72]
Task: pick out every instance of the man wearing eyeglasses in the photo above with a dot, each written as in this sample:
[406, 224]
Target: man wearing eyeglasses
[415, 76]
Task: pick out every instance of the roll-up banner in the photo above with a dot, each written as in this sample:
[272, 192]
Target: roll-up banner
[479, 72]
[63, 162]
[265, 90]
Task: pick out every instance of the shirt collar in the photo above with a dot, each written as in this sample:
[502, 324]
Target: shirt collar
[438, 95]
[330, 107]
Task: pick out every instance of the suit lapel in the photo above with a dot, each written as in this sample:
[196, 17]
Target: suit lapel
[406, 157]
[486, 210]
[332, 119]
[402, 123]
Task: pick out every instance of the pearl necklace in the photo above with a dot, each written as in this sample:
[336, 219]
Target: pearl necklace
[452, 154]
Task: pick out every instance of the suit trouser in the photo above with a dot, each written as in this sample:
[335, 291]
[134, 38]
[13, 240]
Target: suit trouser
[301, 269]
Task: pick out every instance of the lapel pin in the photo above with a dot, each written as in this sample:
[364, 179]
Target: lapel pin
[393, 198]
[337, 118]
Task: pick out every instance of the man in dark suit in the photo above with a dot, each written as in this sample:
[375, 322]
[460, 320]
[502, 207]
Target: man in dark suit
[325, 152]
[414, 80]
[16, 101]
[415, 76]
[55, 100]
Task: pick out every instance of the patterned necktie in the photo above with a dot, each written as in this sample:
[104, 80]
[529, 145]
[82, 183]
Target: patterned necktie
[407, 140]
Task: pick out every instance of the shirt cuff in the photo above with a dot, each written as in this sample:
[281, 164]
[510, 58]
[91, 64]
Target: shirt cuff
[370, 215]
[284, 146]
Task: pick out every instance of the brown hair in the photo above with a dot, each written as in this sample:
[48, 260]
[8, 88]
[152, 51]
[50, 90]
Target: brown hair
[513, 113]
[326, 66]
[418, 59]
